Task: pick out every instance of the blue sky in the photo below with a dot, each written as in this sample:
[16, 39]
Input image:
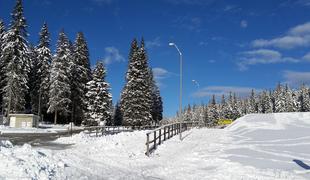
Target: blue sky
[227, 45]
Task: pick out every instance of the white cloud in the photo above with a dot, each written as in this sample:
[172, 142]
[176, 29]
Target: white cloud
[244, 24]
[298, 36]
[262, 56]
[303, 29]
[112, 54]
[220, 90]
[307, 57]
[160, 74]
[154, 43]
[295, 79]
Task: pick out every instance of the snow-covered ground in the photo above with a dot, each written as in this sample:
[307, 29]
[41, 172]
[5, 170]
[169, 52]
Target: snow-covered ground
[272, 146]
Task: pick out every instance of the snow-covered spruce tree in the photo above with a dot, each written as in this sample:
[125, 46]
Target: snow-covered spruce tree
[117, 116]
[44, 59]
[223, 108]
[15, 58]
[213, 114]
[98, 98]
[157, 104]
[32, 97]
[205, 115]
[264, 105]
[304, 99]
[59, 91]
[289, 100]
[236, 107]
[279, 98]
[252, 105]
[2, 69]
[136, 97]
[80, 75]
[187, 113]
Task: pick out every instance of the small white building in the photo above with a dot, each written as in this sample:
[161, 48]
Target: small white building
[24, 120]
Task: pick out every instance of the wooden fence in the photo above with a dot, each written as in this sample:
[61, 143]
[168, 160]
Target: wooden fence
[157, 136]
[102, 130]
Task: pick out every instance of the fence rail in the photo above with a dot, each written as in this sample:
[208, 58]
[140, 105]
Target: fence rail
[157, 136]
[102, 130]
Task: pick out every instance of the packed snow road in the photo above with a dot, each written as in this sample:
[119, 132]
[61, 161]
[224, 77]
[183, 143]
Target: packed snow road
[273, 146]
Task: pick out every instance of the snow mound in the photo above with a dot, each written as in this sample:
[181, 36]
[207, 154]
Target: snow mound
[5, 144]
[274, 121]
[271, 141]
[23, 162]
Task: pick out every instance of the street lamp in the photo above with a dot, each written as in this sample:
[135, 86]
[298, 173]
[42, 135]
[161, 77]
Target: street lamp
[196, 83]
[181, 72]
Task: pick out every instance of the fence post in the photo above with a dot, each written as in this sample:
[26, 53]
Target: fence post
[96, 132]
[154, 139]
[165, 133]
[159, 136]
[147, 145]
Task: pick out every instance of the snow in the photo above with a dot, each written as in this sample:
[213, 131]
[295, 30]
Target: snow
[268, 146]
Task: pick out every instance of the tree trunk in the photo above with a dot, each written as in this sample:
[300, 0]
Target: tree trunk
[55, 117]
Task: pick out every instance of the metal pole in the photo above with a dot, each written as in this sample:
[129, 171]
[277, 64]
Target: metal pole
[181, 83]
[181, 87]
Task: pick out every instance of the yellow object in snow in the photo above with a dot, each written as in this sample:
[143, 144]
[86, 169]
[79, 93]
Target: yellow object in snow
[224, 121]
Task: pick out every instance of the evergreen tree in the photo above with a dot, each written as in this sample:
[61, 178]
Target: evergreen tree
[80, 75]
[213, 115]
[32, 98]
[236, 107]
[59, 92]
[187, 114]
[118, 117]
[223, 108]
[265, 105]
[136, 98]
[252, 107]
[99, 99]
[44, 58]
[15, 58]
[279, 96]
[157, 104]
[2, 65]
[304, 99]
[289, 101]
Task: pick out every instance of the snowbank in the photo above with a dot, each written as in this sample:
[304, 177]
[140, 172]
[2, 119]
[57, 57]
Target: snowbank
[272, 146]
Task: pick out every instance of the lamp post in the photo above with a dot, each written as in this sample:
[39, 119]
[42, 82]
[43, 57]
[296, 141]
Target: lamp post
[181, 74]
[196, 83]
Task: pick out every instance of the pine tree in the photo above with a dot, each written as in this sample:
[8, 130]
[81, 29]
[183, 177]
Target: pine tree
[59, 92]
[118, 116]
[44, 58]
[16, 60]
[99, 99]
[80, 75]
[265, 105]
[252, 106]
[289, 101]
[235, 105]
[279, 96]
[2, 65]
[187, 114]
[223, 108]
[213, 115]
[157, 104]
[304, 99]
[136, 98]
[32, 97]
